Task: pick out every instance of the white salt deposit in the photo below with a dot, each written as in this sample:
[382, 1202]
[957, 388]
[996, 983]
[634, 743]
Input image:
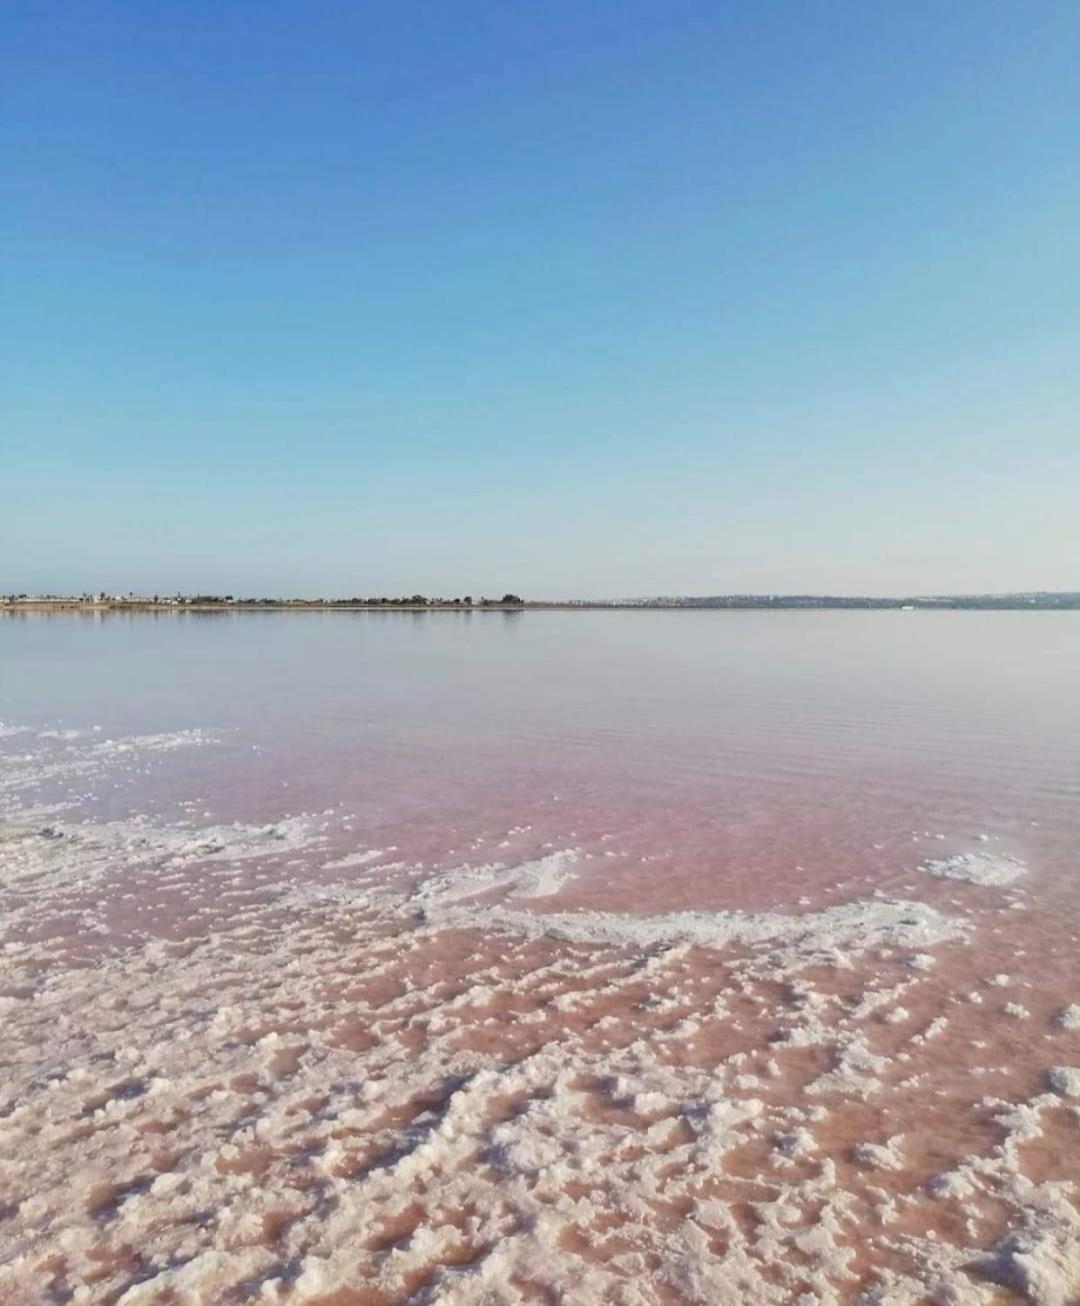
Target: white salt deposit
[1065, 1080]
[1041, 1260]
[991, 870]
[542, 878]
[227, 1078]
[822, 935]
[882, 1156]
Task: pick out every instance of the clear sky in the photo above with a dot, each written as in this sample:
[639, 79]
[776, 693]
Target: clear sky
[580, 298]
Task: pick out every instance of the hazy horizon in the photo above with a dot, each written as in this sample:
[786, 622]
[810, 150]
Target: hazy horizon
[460, 593]
[622, 300]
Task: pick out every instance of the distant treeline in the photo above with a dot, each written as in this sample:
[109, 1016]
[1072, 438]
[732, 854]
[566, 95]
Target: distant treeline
[410, 601]
[232, 601]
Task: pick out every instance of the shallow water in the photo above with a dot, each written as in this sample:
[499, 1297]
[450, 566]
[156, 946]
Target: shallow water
[579, 956]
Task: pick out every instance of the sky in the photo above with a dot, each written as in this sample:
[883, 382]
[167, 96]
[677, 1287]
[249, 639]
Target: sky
[577, 299]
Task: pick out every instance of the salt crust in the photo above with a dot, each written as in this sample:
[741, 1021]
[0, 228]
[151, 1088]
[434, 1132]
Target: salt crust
[882, 1156]
[1065, 1080]
[199, 1124]
[992, 870]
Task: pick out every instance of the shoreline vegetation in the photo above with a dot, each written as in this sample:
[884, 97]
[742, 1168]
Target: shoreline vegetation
[1014, 602]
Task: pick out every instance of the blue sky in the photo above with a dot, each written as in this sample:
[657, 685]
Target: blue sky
[572, 299]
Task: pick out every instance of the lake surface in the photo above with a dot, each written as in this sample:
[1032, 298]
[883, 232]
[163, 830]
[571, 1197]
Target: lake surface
[631, 956]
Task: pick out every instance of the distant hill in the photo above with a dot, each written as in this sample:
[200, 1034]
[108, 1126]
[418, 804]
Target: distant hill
[1040, 599]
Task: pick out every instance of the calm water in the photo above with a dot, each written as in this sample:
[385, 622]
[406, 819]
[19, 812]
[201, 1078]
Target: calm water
[358, 944]
[695, 734]
[968, 716]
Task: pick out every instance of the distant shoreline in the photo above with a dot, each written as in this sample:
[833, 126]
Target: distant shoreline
[1040, 602]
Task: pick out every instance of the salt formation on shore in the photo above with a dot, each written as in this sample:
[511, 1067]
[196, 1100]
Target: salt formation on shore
[229, 1077]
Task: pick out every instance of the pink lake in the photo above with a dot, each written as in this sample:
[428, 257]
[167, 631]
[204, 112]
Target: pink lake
[629, 956]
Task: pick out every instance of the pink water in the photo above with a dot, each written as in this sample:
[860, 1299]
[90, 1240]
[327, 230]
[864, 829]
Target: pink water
[540, 957]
